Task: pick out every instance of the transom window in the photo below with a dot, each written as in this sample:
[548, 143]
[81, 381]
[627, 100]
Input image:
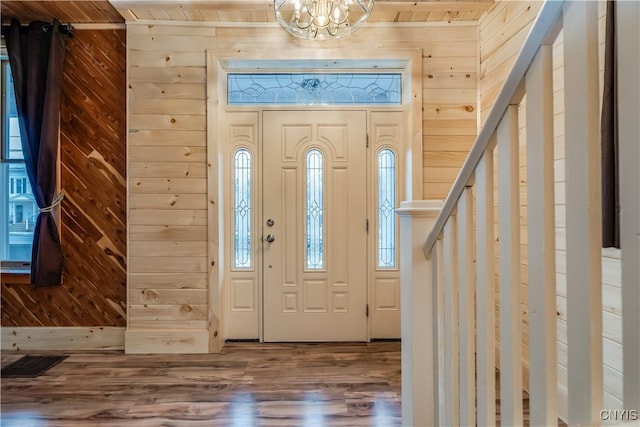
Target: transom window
[314, 89]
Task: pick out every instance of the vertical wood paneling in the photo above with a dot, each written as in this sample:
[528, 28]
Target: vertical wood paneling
[93, 213]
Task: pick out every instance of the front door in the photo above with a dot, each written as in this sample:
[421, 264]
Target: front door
[314, 226]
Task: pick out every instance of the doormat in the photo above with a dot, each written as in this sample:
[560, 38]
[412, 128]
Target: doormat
[30, 366]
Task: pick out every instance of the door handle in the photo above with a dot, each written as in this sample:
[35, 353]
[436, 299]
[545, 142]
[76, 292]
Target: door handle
[270, 238]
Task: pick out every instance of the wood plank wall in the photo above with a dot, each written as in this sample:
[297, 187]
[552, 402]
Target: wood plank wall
[502, 31]
[168, 256]
[93, 213]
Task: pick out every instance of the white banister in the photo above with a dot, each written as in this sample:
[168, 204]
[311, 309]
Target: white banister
[543, 388]
[451, 331]
[628, 31]
[509, 269]
[486, 296]
[584, 228]
[419, 352]
[456, 384]
[466, 298]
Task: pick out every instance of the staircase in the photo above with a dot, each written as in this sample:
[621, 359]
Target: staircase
[465, 312]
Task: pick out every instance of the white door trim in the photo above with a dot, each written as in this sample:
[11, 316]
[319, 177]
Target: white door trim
[217, 109]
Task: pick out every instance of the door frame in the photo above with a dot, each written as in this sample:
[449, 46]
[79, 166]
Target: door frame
[217, 69]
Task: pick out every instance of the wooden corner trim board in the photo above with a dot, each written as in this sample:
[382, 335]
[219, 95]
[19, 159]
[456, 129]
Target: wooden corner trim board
[61, 338]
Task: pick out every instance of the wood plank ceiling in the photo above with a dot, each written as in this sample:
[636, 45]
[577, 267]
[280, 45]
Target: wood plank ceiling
[94, 12]
[226, 11]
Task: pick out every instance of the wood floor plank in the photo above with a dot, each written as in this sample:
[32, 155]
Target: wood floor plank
[248, 384]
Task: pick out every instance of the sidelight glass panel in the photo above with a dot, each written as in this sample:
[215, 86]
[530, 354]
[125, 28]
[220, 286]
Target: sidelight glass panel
[314, 88]
[314, 211]
[242, 258]
[386, 209]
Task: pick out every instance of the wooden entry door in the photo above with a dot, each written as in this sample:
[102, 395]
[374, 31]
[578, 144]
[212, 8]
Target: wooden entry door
[314, 226]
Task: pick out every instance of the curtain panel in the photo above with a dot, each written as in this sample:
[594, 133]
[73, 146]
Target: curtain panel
[36, 56]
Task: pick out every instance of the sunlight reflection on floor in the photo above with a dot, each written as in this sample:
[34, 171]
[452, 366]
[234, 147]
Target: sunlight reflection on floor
[22, 419]
[311, 409]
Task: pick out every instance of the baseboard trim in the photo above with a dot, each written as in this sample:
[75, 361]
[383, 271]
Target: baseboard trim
[173, 341]
[61, 338]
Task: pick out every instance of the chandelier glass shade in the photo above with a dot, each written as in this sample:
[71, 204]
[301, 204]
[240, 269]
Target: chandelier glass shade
[322, 19]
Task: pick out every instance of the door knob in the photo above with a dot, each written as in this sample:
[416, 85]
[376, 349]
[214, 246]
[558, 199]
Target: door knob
[270, 238]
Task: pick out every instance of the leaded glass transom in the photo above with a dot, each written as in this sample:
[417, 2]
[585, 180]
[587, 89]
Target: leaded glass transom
[314, 207]
[242, 258]
[314, 89]
[386, 209]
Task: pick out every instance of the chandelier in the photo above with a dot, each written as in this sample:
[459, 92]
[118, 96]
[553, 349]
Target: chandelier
[322, 19]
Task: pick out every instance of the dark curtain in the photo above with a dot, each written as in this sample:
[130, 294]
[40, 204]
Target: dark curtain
[36, 55]
[609, 138]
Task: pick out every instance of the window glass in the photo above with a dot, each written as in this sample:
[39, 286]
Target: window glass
[18, 209]
[242, 209]
[386, 209]
[314, 211]
[314, 89]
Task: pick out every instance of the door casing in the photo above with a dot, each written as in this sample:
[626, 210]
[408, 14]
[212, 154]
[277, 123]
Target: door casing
[242, 294]
[410, 174]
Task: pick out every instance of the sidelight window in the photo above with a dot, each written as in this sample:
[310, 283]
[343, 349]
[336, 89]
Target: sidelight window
[242, 207]
[314, 230]
[386, 209]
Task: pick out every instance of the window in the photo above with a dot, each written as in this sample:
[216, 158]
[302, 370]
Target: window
[18, 209]
[242, 172]
[314, 89]
[386, 209]
[314, 211]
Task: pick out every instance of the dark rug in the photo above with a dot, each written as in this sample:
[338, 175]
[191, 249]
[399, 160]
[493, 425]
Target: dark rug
[30, 366]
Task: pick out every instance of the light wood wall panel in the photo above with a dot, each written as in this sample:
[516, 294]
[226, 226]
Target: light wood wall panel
[499, 44]
[502, 32]
[167, 135]
[167, 188]
[93, 212]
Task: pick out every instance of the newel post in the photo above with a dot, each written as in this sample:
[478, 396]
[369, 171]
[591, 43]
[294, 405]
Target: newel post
[419, 350]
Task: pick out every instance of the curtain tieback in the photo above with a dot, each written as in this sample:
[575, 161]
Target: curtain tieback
[55, 203]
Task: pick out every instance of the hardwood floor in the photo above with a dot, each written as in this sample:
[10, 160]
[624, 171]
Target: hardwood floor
[248, 384]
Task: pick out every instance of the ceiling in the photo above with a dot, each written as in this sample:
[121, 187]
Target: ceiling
[224, 11]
